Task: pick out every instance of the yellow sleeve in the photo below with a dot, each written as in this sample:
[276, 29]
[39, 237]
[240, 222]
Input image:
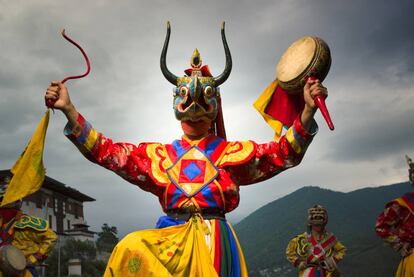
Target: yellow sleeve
[339, 251]
[47, 241]
[291, 254]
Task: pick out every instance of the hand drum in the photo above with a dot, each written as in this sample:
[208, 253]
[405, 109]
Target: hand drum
[308, 57]
[12, 261]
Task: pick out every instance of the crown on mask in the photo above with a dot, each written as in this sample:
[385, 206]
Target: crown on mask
[196, 66]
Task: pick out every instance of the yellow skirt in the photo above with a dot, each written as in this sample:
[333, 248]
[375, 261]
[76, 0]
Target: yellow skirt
[406, 267]
[173, 251]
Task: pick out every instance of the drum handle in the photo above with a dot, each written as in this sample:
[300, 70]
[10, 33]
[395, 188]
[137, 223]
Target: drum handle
[320, 103]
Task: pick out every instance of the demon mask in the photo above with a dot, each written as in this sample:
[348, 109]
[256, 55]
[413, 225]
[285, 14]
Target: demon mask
[196, 95]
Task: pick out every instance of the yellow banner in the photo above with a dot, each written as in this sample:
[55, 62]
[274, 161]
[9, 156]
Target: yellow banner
[28, 171]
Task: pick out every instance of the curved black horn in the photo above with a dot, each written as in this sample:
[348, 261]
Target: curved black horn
[226, 73]
[167, 74]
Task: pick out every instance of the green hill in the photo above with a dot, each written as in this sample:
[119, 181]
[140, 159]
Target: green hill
[265, 233]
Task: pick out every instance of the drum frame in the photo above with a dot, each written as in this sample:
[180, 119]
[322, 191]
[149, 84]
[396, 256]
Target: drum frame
[5, 265]
[317, 68]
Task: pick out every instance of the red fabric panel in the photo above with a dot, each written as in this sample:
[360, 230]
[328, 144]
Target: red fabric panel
[285, 107]
[217, 249]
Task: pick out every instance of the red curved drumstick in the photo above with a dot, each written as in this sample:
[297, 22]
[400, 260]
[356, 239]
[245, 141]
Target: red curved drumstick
[320, 103]
[50, 103]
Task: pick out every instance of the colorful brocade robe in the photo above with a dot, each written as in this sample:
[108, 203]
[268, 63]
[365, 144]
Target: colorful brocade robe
[395, 225]
[205, 173]
[305, 248]
[32, 236]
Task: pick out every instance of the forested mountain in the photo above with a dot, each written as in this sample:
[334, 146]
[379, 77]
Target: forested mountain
[265, 233]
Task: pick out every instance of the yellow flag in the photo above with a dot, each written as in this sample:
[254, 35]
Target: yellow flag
[28, 171]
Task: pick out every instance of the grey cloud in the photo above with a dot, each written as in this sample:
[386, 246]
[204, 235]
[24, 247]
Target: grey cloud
[392, 136]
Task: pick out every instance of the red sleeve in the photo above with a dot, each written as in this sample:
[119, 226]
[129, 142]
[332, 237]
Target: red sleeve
[388, 225]
[274, 157]
[127, 160]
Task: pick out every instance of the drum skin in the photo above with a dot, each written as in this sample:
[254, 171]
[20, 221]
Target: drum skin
[12, 260]
[307, 57]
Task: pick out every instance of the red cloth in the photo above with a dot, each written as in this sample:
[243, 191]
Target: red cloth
[285, 107]
[218, 124]
[396, 224]
[205, 71]
[8, 214]
[6, 230]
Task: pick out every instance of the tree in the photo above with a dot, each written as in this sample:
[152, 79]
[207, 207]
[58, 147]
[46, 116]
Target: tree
[86, 251]
[83, 250]
[107, 239]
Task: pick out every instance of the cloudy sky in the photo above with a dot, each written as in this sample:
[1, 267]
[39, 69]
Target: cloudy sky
[127, 98]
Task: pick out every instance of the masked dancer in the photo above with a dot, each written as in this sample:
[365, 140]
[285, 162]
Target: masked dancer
[316, 252]
[31, 236]
[196, 178]
[395, 225]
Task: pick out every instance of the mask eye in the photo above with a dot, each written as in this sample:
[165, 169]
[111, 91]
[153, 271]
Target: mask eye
[183, 91]
[208, 91]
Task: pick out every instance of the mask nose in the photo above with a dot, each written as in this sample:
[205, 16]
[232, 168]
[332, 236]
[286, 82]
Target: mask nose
[195, 89]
